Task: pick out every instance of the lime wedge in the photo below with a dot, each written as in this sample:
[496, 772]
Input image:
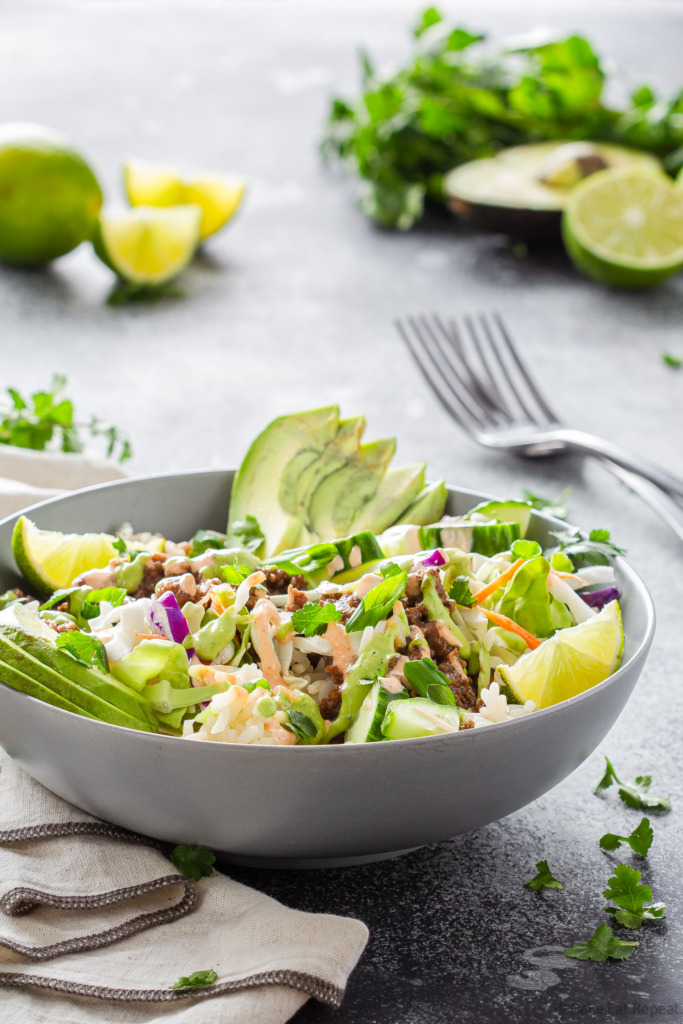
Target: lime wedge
[571, 661]
[148, 246]
[218, 195]
[625, 227]
[51, 560]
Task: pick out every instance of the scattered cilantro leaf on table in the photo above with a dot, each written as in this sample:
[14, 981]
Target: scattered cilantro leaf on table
[543, 878]
[670, 360]
[46, 418]
[553, 506]
[313, 619]
[196, 980]
[84, 647]
[631, 898]
[634, 794]
[460, 592]
[601, 946]
[194, 862]
[640, 839]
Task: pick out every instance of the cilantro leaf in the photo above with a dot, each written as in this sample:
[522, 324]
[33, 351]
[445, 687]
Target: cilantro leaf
[90, 608]
[640, 839]
[301, 725]
[245, 533]
[601, 945]
[543, 878]
[428, 681]
[634, 794]
[631, 898]
[460, 592]
[553, 506]
[602, 536]
[561, 562]
[84, 647]
[313, 619]
[119, 544]
[675, 361]
[378, 602]
[526, 549]
[194, 862]
[235, 574]
[203, 540]
[598, 549]
[392, 569]
[196, 980]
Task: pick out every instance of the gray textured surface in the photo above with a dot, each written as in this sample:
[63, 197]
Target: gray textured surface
[292, 306]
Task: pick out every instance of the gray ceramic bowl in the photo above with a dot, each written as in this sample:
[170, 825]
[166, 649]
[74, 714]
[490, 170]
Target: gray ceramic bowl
[297, 806]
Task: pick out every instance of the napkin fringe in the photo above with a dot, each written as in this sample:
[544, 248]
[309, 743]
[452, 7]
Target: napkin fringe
[22, 900]
[58, 829]
[318, 988]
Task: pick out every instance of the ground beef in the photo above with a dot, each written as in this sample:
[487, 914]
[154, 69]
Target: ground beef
[330, 705]
[413, 589]
[479, 705]
[346, 603]
[439, 647]
[151, 574]
[187, 587]
[460, 683]
[276, 581]
[333, 670]
[416, 614]
[295, 599]
[466, 725]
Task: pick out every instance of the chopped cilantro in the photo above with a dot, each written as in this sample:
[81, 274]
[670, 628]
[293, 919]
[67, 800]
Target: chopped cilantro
[526, 549]
[634, 794]
[84, 647]
[631, 898]
[90, 608]
[675, 361]
[553, 506]
[119, 544]
[597, 550]
[313, 619]
[194, 862]
[378, 602]
[301, 725]
[245, 533]
[601, 945]
[543, 878]
[235, 574]
[561, 563]
[196, 980]
[460, 592]
[640, 839]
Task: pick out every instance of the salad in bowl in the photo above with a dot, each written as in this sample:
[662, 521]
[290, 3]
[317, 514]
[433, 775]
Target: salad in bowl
[340, 606]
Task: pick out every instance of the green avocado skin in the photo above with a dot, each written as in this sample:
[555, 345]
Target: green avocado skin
[25, 684]
[102, 696]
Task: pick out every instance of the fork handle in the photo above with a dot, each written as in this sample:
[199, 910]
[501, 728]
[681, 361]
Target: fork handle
[659, 501]
[591, 445]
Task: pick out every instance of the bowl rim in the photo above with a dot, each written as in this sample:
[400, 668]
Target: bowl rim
[524, 722]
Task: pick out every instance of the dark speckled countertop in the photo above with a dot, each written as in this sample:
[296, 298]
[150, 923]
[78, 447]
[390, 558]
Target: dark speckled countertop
[298, 297]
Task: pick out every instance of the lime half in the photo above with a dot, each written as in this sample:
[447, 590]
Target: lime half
[148, 246]
[217, 195]
[571, 661]
[625, 227]
[51, 560]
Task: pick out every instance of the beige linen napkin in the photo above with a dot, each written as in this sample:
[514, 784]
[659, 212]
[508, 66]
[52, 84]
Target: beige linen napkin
[27, 476]
[97, 925]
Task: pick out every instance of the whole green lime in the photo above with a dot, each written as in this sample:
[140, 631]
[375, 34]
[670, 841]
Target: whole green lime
[49, 196]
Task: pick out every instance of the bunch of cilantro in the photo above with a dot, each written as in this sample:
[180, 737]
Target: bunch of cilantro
[458, 99]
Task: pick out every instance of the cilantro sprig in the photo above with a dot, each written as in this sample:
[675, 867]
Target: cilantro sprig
[631, 898]
[196, 980]
[598, 549]
[640, 839]
[46, 418]
[194, 862]
[313, 619]
[460, 592]
[670, 360]
[84, 647]
[544, 878]
[601, 946]
[634, 794]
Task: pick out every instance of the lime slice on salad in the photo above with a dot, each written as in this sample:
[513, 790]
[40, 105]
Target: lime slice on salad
[148, 246]
[625, 227]
[571, 661]
[218, 195]
[50, 560]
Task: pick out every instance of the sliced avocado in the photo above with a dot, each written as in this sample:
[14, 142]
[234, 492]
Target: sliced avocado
[340, 497]
[32, 643]
[506, 194]
[371, 663]
[428, 506]
[25, 684]
[256, 489]
[303, 474]
[398, 488]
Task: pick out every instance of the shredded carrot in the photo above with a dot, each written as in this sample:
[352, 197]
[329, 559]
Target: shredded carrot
[569, 576]
[148, 636]
[217, 605]
[500, 581]
[502, 620]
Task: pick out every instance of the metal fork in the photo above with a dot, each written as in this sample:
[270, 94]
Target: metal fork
[476, 372]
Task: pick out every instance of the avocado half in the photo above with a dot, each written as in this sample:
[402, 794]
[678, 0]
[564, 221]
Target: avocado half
[512, 194]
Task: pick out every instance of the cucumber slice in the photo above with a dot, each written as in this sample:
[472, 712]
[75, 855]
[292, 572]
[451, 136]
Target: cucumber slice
[490, 538]
[506, 512]
[415, 717]
[367, 544]
[367, 725]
